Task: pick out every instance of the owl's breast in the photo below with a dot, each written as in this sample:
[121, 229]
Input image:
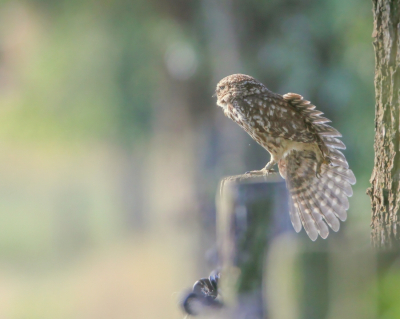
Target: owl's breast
[235, 115]
[271, 144]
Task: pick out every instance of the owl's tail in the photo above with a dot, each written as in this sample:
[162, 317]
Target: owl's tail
[316, 201]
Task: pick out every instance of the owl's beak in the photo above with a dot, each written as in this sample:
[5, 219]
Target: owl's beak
[214, 95]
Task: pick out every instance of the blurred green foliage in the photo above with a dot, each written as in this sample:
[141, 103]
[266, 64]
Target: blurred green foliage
[86, 87]
[85, 72]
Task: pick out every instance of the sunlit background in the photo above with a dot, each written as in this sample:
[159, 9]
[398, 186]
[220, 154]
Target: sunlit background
[111, 146]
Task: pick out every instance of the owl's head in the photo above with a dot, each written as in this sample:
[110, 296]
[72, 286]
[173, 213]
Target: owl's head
[237, 86]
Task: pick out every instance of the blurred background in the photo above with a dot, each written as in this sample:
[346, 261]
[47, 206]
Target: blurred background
[111, 146]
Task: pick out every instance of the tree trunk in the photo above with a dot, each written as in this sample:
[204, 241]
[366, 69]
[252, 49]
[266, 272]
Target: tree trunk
[385, 186]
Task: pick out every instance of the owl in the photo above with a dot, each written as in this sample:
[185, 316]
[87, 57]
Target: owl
[303, 146]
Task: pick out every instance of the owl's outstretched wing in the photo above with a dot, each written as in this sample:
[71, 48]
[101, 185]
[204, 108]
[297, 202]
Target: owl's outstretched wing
[275, 116]
[293, 118]
[326, 135]
[315, 199]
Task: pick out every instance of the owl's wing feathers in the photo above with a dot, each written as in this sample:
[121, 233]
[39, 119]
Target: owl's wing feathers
[326, 135]
[293, 118]
[274, 116]
[317, 200]
[313, 200]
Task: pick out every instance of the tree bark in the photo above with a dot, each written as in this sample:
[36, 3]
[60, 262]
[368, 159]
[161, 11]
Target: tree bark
[385, 187]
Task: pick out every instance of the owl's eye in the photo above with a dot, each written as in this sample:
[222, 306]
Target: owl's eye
[222, 87]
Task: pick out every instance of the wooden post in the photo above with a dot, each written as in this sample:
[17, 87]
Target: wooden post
[269, 271]
[251, 211]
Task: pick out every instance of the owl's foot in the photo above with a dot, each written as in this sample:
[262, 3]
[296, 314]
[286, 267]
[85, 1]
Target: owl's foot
[268, 171]
[318, 171]
[262, 172]
[265, 171]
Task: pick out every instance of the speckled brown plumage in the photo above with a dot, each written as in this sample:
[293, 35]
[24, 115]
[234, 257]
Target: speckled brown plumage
[301, 143]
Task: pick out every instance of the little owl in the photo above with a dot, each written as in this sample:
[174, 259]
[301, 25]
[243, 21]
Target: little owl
[304, 147]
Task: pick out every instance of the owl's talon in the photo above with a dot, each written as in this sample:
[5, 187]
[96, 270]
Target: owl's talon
[269, 171]
[263, 172]
[254, 173]
[318, 170]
